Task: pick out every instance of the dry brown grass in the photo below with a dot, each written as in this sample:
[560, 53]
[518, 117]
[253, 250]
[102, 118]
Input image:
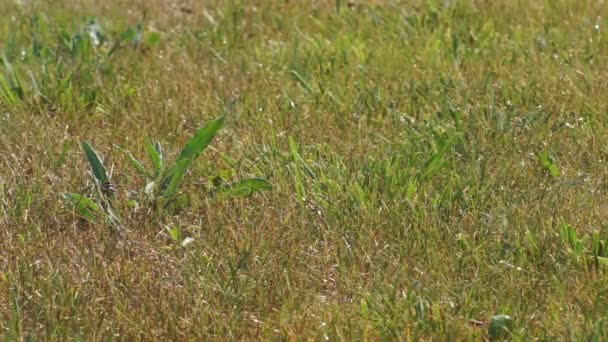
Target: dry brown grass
[358, 258]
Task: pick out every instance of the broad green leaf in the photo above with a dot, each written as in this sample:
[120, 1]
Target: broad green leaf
[159, 150]
[578, 247]
[174, 233]
[246, 187]
[137, 165]
[572, 236]
[547, 163]
[83, 206]
[173, 178]
[595, 243]
[155, 156]
[201, 139]
[99, 171]
[133, 204]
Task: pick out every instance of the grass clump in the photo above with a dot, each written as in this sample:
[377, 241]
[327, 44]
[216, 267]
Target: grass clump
[162, 183]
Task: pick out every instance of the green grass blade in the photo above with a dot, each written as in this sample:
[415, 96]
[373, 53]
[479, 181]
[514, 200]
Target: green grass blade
[6, 93]
[137, 165]
[432, 166]
[301, 81]
[246, 187]
[293, 148]
[201, 139]
[97, 167]
[14, 80]
[173, 178]
[572, 236]
[155, 156]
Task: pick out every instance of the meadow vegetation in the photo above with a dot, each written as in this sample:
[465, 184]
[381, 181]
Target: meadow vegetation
[425, 169]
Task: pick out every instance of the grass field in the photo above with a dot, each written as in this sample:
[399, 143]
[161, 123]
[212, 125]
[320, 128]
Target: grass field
[434, 165]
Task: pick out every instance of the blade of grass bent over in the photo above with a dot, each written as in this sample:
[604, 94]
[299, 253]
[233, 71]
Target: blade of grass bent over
[246, 187]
